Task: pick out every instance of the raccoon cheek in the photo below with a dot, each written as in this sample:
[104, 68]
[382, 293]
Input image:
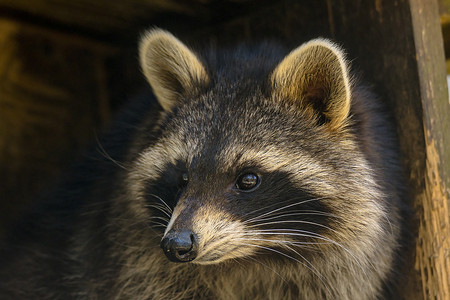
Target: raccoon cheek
[221, 240]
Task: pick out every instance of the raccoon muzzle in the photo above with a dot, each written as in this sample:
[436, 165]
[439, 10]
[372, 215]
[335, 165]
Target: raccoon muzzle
[180, 245]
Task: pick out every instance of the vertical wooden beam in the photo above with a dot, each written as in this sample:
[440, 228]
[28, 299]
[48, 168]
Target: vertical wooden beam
[433, 245]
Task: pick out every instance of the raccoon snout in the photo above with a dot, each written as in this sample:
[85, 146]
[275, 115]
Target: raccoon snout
[180, 245]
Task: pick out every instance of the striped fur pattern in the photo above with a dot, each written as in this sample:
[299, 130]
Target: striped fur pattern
[324, 221]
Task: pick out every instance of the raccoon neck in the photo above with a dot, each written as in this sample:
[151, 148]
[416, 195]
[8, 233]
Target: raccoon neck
[153, 277]
[289, 281]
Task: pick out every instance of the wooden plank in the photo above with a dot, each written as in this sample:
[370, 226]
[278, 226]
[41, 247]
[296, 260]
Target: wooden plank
[290, 22]
[101, 14]
[433, 247]
[123, 21]
[114, 21]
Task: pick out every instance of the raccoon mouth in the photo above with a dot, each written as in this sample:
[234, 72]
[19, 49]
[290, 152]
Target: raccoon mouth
[210, 260]
[216, 255]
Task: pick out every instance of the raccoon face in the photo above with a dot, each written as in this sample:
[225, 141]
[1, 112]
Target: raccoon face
[244, 169]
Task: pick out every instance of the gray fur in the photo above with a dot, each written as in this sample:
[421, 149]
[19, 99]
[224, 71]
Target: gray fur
[99, 235]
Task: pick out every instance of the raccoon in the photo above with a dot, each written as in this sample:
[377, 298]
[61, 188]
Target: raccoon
[257, 174]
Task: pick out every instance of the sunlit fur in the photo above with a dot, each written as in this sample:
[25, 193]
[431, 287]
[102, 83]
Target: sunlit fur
[301, 73]
[170, 66]
[324, 222]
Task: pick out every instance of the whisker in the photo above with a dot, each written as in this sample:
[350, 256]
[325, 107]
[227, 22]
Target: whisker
[298, 213]
[103, 152]
[159, 218]
[214, 244]
[301, 244]
[283, 207]
[157, 224]
[303, 233]
[164, 202]
[271, 269]
[296, 221]
[158, 206]
[161, 208]
[320, 276]
[293, 258]
[277, 204]
[260, 263]
[152, 228]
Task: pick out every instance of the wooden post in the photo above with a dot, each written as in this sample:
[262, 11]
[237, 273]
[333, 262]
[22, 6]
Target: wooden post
[433, 205]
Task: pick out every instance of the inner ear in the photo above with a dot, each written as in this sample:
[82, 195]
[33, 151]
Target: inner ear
[315, 77]
[316, 97]
[171, 68]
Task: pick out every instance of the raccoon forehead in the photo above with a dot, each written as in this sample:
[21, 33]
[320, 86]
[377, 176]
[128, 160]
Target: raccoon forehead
[269, 159]
[226, 150]
[225, 159]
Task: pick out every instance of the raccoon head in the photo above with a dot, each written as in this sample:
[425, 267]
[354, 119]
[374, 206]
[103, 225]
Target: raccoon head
[245, 167]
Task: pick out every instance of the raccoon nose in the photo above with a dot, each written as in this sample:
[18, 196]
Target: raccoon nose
[180, 245]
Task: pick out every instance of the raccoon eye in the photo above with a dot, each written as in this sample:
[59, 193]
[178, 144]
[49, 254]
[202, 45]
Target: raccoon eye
[248, 182]
[183, 180]
[185, 177]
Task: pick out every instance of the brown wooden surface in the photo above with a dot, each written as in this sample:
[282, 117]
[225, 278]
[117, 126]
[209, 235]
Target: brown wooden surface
[433, 247]
[123, 21]
[101, 16]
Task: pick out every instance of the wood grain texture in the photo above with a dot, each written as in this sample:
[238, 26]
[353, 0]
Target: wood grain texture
[102, 15]
[433, 247]
[123, 22]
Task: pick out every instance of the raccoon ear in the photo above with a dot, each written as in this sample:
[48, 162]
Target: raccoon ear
[315, 76]
[170, 67]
